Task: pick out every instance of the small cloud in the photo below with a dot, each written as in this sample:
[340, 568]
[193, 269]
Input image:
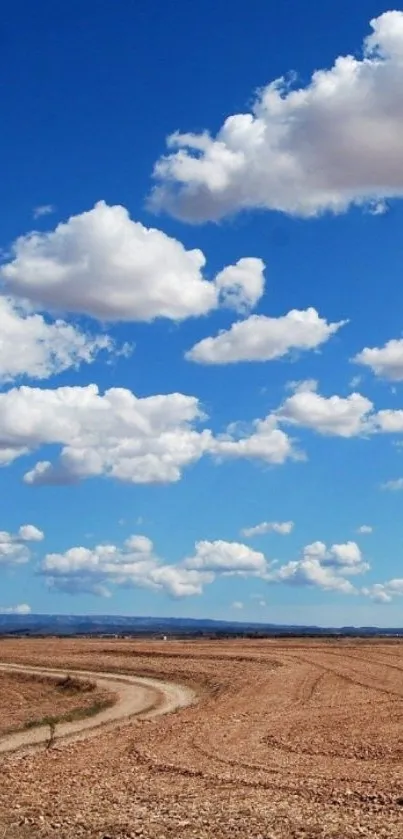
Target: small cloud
[21, 609]
[30, 533]
[355, 381]
[43, 210]
[393, 485]
[282, 527]
[237, 604]
[365, 528]
[377, 208]
[301, 385]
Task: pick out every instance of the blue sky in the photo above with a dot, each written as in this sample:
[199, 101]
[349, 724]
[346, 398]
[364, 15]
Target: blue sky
[200, 310]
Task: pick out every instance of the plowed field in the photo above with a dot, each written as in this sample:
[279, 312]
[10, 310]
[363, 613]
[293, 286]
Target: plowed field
[287, 739]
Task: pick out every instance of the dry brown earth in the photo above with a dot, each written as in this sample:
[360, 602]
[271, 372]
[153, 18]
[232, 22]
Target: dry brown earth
[291, 739]
[26, 699]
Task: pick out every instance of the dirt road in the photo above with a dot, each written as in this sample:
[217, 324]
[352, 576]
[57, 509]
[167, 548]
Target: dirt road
[136, 696]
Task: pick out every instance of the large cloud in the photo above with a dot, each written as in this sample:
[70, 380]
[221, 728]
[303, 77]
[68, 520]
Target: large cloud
[103, 264]
[31, 346]
[302, 151]
[139, 440]
[136, 564]
[261, 338]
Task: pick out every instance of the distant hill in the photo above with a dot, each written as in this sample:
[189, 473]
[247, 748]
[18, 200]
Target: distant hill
[70, 625]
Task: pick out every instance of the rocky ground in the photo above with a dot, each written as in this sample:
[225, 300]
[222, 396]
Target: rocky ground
[289, 740]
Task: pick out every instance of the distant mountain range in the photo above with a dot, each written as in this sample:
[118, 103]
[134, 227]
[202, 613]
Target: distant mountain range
[70, 625]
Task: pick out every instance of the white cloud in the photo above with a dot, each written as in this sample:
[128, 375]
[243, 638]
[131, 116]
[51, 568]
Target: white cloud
[100, 569]
[44, 348]
[343, 417]
[389, 421]
[241, 286]
[30, 533]
[301, 385]
[146, 440]
[326, 568]
[116, 434]
[237, 604]
[13, 550]
[384, 592]
[226, 558]
[365, 528]
[43, 210]
[103, 264]
[261, 338]
[266, 442]
[136, 564]
[153, 439]
[386, 362]
[20, 609]
[393, 485]
[302, 151]
[282, 527]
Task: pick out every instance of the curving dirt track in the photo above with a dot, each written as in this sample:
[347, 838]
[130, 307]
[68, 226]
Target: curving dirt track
[289, 740]
[140, 697]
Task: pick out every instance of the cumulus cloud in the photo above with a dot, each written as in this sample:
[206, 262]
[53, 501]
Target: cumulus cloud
[266, 443]
[44, 348]
[153, 439]
[365, 528]
[13, 550]
[146, 440]
[30, 533]
[226, 558]
[136, 564]
[384, 592]
[241, 286]
[386, 362]
[342, 417]
[301, 150]
[282, 527]
[261, 338]
[100, 569]
[104, 264]
[116, 434]
[20, 609]
[326, 568]
[389, 421]
[237, 604]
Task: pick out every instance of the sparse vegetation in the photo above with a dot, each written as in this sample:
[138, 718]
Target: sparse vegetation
[28, 701]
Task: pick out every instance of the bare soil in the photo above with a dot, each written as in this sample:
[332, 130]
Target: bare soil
[289, 740]
[27, 700]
